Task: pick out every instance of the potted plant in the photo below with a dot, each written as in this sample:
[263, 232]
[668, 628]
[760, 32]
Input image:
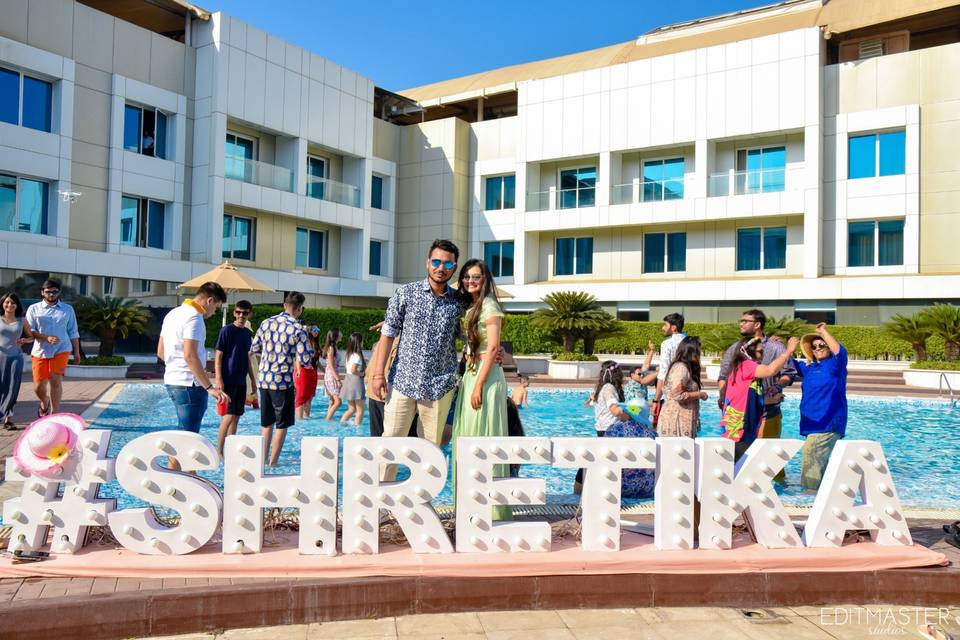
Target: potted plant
[109, 319]
[573, 316]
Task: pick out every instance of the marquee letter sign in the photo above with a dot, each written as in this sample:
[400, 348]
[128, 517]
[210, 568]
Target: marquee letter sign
[68, 502]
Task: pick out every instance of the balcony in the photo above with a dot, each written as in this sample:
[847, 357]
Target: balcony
[651, 190]
[258, 173]
[738, 183]
[333, 191]
[561, 199]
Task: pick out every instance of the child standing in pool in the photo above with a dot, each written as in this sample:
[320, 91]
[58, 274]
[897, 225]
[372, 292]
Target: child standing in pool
[519, 393]
[331, 378]
[352, 391]
[305, 378]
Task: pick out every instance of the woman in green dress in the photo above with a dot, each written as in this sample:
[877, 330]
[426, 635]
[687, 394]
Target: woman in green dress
[482, 399]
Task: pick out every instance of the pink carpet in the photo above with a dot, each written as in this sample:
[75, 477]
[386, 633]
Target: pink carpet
[637, 555]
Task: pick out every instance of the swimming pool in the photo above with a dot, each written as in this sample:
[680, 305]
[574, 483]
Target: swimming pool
[919, 438]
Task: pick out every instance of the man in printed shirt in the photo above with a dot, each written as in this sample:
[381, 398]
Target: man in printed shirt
[280, 340]
[426, 314]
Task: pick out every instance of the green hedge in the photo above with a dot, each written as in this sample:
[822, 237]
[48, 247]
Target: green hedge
[630, 337]
[574, 357]
[942, 365]
[103, 361]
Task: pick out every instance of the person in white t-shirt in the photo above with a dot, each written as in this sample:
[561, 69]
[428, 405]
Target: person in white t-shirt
[352, 391]
[182, 337]
[674, 335]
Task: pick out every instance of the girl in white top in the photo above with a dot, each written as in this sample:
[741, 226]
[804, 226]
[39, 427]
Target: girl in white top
[353, 392]
[608, 394]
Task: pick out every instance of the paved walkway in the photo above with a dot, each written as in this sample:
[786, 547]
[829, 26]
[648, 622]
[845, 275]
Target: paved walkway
[660, 623]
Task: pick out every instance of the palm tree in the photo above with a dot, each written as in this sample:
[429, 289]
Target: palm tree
[111, 318]
[571, 316]
[911, 329]
[944, 321]
[785, 327]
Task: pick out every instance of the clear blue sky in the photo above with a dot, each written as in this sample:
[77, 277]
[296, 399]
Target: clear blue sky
[400, 45]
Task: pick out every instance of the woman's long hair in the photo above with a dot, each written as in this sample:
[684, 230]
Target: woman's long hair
[688, 354]
[333, 337]
[610, 373]
[18, 313]
[355, 346]
[746, 350]
[487, 289]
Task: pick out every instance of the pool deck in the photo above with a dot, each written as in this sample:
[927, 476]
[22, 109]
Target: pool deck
[121, 607]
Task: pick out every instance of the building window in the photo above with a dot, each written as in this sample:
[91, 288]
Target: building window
[25, 101]
[24, 204]
[574, 256]
[316, 176]
[663, 252]
[876, 154]
[142, 222]
[82, 285]
[107, 285]
[761, 170]
[311, 248]
[376, 192]
[376, 257]
[145, 131]
[500, 192]
[239, 237]
[146, 286]
[499, 257]
[761, 248]
[875, 243]
[239, 152]
[578, 187]
[663, 179]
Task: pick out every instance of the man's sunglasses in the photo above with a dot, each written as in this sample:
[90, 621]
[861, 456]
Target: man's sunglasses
[238, 312]
[51, 292]
[435, 263]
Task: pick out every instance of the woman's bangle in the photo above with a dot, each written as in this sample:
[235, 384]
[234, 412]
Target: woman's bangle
[377, 376]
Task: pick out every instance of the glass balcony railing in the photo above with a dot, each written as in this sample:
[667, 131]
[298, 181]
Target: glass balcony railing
[261, 173]
[621, 193]
[538, 201]
[737, 183]
[333, 191]
[650, 190]
[561, 199]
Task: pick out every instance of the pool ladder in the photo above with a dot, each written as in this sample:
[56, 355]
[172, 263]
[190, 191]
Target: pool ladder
[945, 381]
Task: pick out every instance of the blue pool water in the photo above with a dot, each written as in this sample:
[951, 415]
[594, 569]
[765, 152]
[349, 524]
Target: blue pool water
[919, 438]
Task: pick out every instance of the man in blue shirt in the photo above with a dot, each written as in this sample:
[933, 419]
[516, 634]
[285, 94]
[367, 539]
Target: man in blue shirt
[233, 368]
[426, 316]
[823, 405]
[54, 326]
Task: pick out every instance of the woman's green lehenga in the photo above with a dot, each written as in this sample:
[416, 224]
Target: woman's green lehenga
[491, 418]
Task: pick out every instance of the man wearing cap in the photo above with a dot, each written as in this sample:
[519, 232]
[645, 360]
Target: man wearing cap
[54, 326]
[182, 337]
[752, 323]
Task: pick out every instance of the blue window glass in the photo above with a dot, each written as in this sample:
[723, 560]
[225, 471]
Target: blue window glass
[239, 158]
[37, 103]
[310, 248]
[506, 259]
[748, 249]
[316, 250]
[227, 236]
[155, 224]
[161, 144]
[491, 255]
[860, 244]
[376, 193]
[676, 251]
[892, 154]
[129, 220]
[760, 170]
[775, 248]
[9, 96]
[494, 198]
[33, 206]
[316, 173]
[131, 128]
[243, 238]
[564, 257]
[663, 179]
[376, 248]
[578, 187]
[509, 192]
[303, 247]
[862, 157]
[774, 161]
[584, 256]
[654, 253]
[890, 242]
[8, 203]
[653, 180]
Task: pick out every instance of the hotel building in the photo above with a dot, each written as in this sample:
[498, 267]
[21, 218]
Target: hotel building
[801, 157]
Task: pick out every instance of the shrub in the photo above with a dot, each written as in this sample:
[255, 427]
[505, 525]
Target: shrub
[103, 361]
[574, 357]
[347, 320]
[112, 318]
[944, 321]
[573, 316]
[937, 365]
[912, 329]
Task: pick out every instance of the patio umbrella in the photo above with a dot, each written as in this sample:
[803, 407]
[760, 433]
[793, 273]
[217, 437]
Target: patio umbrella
[231, 279]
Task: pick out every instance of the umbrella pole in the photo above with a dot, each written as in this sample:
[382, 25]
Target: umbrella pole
[225, 305]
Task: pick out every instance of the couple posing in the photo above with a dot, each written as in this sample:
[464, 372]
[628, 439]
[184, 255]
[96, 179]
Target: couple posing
[428, 315]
